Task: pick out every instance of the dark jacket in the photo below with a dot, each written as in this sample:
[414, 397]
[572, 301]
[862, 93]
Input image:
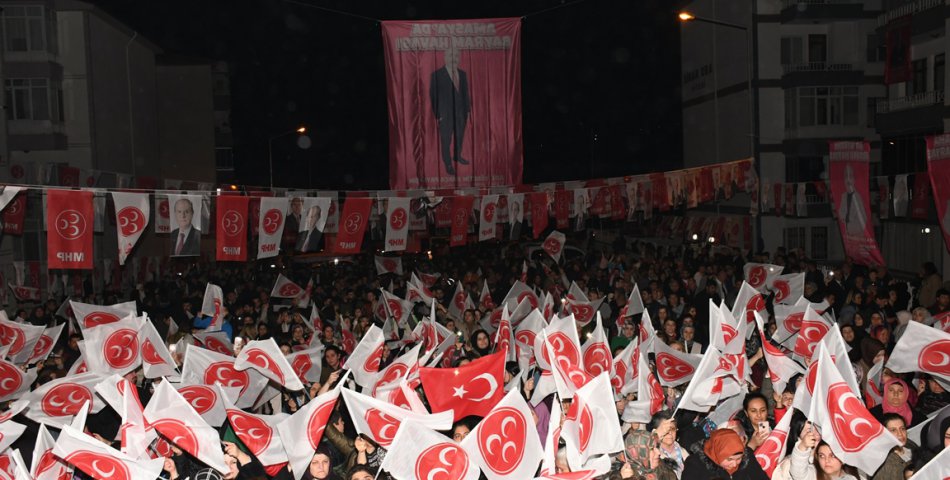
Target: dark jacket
[701, 467]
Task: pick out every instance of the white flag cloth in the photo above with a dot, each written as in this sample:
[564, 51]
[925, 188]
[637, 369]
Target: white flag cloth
[747, 302]
[484, 298]
[258, 433]
[176, 421]
[396, 371]
[504, 338]
[101, 461]
[19, 337]
[208, 400]
[772, 450]
[936, 469]
[634, 304]
[307, 364]
[559, 347]
[301, 432]
[7, 194]
[460, 302]
[88, 315]
[379, 420]
[419, 453]
[518, 292]
[625, 368]
[114, 347]
[650, 395]
[487, 218]
[45, 344]
[788, 288]
[674, 368]
[590, 427]
[760, 275]
[131, 217]
[366, 357]
[505, 444]
[554, 245]
[285, 288]
[204, 367]
[157, 361]
[397, 224]
[14, 383]
[838, 350]
[271, 225]
[813, 330]
[853, 434]
[922, 349]
[873, 394]
[211, 306]
[723, 329]
[45, 465]
[216, 341]
[9, 433]
[56, 402]
[386, 265]
[596, 352]
[265, 356]
[781, 367]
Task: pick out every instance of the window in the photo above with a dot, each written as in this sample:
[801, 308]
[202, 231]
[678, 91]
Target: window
[939, 62]
[792, 51]
[872, 111]
[827, 106]
[803, 169]
[791, 109]
[794, 238]
[918, 83]
[876, 51]
[29, 28]
[30, 99]
[819, 243]
[817, 48]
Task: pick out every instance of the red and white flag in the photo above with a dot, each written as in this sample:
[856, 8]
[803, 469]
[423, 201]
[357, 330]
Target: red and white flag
[216, 341]
[634, 306]
[308, 364]
[9, 433]
[45, 465]
[398, 370]
[936, 469]
[853, 434]
[814, 328]
[134, 434]
[397, 224]
[711, 382]
[45, 344]
[761, 275]
[14, 383]
[271, 225]
[723, 329]
[56, 402]
[625, 368]
[177, 422]
[838, 350]
[504, 338]
[772, 450]
[472, 389]
[505, 443]
[419, 453]
[308, 423]
[388, 265]
[265, 357]
[461, 214]
[379, 420]
[114, 347]
[25, 294]
[788, 288]
[365, 360]
[100, 461]
[131, 217]
[89, 315]
[416, 291]
[554, 245]
[8, 193]
[19, 337]
[258, 433]
[873, 388]
[518, 292]
[487, 218]
[590, 426]
[560, 348]
[460, 301]
[650, 394]
[781, 367]
[204, 367]
[285, 288]
[747, 302]
[484, 299]
[596, 352]
[157, 361]
[352, 225]
[69, 223]
[674, 368]
[922, 349]
[209, 401]
[231, 238]
[582, 310]
[211, 306]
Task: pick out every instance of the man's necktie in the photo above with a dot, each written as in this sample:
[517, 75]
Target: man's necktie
[181, 243]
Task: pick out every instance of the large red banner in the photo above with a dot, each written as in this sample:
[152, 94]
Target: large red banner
[231, 213]
[938, 165]
[69, 215]
[454, 92]
[461, 212]
[14, 215]
[352, 225]
[850, 193]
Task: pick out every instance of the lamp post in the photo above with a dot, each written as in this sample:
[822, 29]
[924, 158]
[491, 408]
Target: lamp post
[270, 150]
[753, 98]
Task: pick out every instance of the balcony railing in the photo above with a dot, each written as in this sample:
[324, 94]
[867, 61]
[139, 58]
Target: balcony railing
[794, 3]
[817, 67]
[918, 100]
[907, 9]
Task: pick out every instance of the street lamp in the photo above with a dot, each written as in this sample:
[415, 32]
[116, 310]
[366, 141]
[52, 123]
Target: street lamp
[301, 130]
[686, 17]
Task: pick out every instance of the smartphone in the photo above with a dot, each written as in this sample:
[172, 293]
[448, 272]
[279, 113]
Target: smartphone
[764, 426]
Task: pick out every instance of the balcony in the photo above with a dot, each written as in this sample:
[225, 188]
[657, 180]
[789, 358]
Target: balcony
[802, 11]
[907, 9]
[821, 73]
[816, 67]
[924, 99]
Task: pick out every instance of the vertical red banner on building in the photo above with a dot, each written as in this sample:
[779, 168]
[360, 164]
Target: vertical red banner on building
[69, 217]
[231, 220]
[563, 199]
[14, 215]
[938, 165]
[353, 223]
[538, 202]
[618, 208]
[461, 213]
[661, 198]
[454, 95]
[921, 198]
[850, 193]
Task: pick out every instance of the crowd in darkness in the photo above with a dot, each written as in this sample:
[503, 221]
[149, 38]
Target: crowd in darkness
[872, 308]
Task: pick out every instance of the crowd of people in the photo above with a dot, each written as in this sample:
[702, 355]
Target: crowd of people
[871, 306]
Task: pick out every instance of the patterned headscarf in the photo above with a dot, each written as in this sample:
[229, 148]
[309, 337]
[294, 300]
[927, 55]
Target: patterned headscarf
[639, 444]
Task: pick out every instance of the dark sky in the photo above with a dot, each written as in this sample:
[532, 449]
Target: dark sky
[608, 68]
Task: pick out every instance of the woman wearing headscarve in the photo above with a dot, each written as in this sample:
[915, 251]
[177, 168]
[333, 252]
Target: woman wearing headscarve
[643, 455]
[724, 456]
[896, 395]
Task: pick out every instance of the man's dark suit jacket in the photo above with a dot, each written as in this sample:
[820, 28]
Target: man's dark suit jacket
[312, 245]
[192, 244]
[447, 102]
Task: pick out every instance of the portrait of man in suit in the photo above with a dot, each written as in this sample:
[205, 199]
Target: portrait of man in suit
[451, 105]
[851, 208]
[309, 238]
[186, 239]
[516, 217]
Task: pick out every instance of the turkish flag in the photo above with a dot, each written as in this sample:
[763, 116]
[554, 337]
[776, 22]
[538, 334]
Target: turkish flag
[69, 217]
[473, 389]
[99, 460]
[179, 423]
[505, 444]
[353, 223]
[538, 202]
[14, 213]
[419, 453]
[922, 349]
[231, 241]
[461, 212]
[308, 423]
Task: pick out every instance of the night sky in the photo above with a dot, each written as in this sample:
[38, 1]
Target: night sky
[608, 68]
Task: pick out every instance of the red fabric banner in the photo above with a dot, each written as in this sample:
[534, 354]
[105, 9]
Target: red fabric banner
[618, 209]
[68, 176]
[353, 222]
[661, 199]
[461, 212]
[231, 213]
[938, 165]
[454, 95]
[14, 215]
[849, 163]
[69, 217]
[921, 198]
[538, 202]
[563, 199]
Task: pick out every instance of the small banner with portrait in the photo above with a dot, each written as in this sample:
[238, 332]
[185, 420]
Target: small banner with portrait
[849, 163]
[186, 223]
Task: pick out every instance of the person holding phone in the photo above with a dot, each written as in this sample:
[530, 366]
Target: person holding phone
[756, 423]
